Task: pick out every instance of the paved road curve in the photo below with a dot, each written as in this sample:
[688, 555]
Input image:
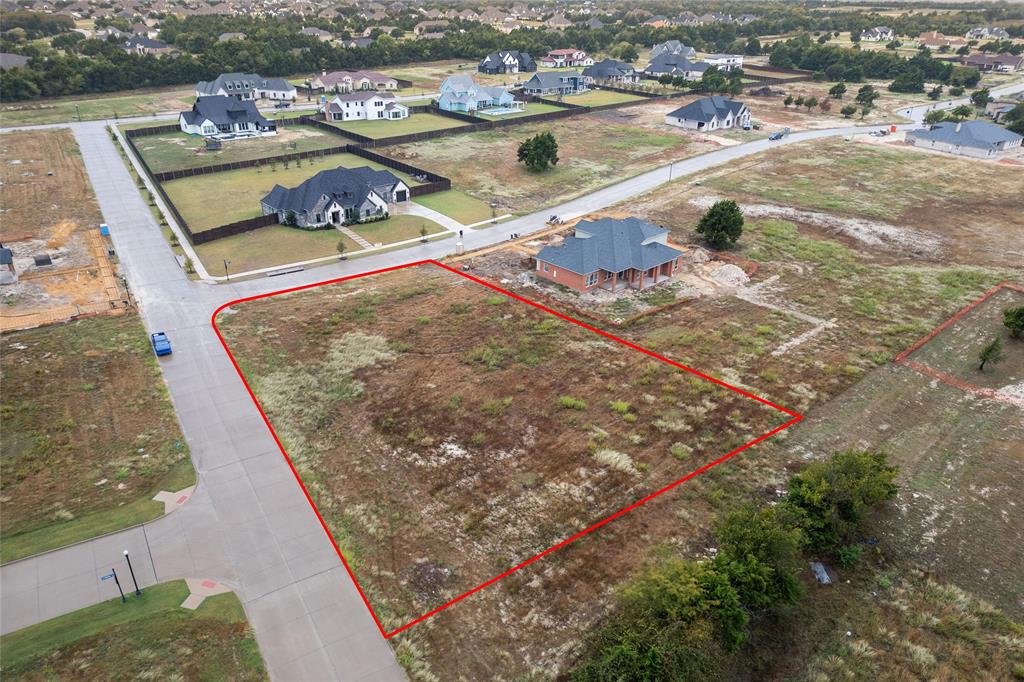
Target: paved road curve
[248, 524]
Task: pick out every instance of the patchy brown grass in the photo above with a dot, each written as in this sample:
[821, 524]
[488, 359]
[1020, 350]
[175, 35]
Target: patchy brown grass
[461, 432]
[89, 433]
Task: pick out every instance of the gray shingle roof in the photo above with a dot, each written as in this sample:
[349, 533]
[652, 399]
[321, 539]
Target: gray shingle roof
[978, 134]
[609, 68]
[707, 108]
[347, 186]
[493, 60]
[241, 82]
[224, 110]
[674, 64]
[612, 245]
[551, 79]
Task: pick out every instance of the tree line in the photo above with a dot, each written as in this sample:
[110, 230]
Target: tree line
[274, 47]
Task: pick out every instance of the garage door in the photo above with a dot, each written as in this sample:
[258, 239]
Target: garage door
[401, 195]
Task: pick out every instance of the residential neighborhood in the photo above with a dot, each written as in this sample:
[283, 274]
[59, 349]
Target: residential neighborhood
[536, 340]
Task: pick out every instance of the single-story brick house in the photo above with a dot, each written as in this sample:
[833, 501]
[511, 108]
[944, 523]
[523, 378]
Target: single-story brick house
[611, 254]
[978, 139]
[339, 196]
[350, 81]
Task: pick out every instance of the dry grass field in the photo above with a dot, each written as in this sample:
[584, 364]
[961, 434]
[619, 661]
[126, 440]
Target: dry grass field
[462, 432]
[89, 434]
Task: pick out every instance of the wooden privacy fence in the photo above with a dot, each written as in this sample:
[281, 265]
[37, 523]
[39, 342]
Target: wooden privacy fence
[250, 163]
[232, 229]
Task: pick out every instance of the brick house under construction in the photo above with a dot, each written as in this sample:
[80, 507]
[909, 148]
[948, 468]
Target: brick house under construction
[611, 254]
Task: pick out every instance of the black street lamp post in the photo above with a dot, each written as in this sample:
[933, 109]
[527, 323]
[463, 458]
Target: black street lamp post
[138, 592]
[118, 583]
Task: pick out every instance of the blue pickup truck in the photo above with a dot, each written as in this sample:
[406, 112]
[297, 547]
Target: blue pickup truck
[161, 344]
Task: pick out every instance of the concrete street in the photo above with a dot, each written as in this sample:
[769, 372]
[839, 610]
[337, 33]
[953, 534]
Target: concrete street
[248, 524]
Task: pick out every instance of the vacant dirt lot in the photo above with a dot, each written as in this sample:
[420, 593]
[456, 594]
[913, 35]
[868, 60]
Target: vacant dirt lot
[47, 207]
[971, 210]
[89, 433]
[954, 351]
[448, 432]
[593, 150]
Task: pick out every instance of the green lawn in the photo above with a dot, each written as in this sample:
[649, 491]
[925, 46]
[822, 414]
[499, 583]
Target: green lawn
[270, 246]
[238, 193]
[60, 110]
[175, 151]
[415, 123]
[89, 434]
[457, 205]
[397, 228]
[531, 109]
[148, 637]
[596, 98]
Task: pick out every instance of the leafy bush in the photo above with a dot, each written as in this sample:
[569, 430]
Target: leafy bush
[849, 555]
[833, 496]
[759, 549]
[1013, 319]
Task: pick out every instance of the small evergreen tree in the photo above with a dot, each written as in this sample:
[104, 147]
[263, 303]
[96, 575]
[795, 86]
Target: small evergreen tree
[991, 354]
[722, 224]
[539, 152]
[1013, 318]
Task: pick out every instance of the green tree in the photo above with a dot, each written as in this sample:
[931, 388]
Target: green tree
[722, 224]
[788, 101]
[911, 80]
[539, 152]
[675, 621]
[933, 117]
[867, 95]
[759, 550]
[961, 112]
[838, 90]
[1013, 318]
[848, 110]
[625, 51]
[935, 93]
[799, 101]
[991, 353]
[980, 98]
[833, 496]
[1014, 119]
[810, 103]
[341, 247]
[892, 44]
[752, 48]
[864, 111]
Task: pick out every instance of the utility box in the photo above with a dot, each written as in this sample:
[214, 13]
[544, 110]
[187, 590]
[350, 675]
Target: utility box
[104, 229]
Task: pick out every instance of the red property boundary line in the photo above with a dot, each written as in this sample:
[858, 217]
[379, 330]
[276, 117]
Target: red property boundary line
[388, 634]
[948, 379]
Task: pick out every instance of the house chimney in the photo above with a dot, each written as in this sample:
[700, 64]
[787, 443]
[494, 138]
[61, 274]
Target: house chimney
[324, 72]
[958, 124]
